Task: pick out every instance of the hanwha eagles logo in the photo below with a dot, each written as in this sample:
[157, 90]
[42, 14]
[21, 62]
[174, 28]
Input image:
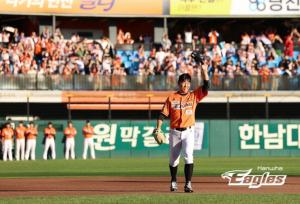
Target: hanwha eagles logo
[244, 178]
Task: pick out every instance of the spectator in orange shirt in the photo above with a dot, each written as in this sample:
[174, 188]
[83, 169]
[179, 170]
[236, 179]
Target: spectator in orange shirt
[88, 132]
[70, 133]
[31, 134]
[7, 141]
[49, 133]
[20, 141]
[213, 36]
[265, 73]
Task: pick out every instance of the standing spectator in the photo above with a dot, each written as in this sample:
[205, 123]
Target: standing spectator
[49, 138]
[31, 135]
[188, 34]
[70, 133]
[213, 36]
[265, 73]
[296, 35]
[16, 38]
[120, 37]
[160, 56]
[88, 132]
[7, 134]
[179, 43]
[289, 46]
[45, 33]
[254, 77]
[128, 39]
[5, 39]
[57, 36]
[20, 141]
[166, 42]
[245, 40]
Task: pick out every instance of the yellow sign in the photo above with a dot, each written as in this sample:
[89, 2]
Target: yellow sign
[82, 7]
[200, 7]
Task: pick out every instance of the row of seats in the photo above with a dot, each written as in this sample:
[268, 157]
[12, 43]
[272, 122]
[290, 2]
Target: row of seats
[130, 59]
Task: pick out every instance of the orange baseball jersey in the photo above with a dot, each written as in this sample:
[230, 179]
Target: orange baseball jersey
[88, 131]
[181, 108]
[49, 132]
[7, 133]
[20, 132]
[31, 133]
[70, 132]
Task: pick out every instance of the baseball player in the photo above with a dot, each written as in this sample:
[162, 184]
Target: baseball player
[49, 134]
[70, 132]
[31, 134]
[7, 141]
[180, 107]
[20, 141]
[88, 132]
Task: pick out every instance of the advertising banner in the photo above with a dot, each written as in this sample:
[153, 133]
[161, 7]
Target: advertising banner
[229, 8]
[200, 7]
[83, 7]
[270, 8]
[213, 138]
[126, 138]
[269, 136]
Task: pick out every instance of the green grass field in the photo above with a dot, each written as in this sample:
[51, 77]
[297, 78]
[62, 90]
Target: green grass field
[148, 167]
[141, 167]
[183, 198]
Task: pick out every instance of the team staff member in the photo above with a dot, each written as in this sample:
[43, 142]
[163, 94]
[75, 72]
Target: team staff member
[31, 135]
[49, 134]
[180, 107]
[7, 141]
[70, 133]
[20, 141]
[88, 132]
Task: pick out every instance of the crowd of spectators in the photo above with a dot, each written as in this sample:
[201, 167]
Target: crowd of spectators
[266, 54]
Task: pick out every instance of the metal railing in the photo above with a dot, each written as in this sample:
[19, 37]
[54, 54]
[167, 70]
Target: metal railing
[159, 83]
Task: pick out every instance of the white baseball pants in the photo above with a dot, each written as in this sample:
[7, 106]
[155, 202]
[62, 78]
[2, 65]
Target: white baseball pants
[70, 148]
[88, 143]
[20, 149]
[181, 140]
[7, 150]
[30, 149]
[49, 143]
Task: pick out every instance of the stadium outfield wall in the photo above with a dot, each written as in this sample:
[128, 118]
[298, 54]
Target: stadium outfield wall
[215, 138]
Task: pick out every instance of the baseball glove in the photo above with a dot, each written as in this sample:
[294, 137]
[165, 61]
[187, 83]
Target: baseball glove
[159, 136]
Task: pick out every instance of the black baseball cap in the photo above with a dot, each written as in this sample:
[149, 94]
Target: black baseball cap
[184, 77]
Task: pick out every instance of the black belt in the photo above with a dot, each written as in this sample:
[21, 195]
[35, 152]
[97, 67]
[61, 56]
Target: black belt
[182, 129]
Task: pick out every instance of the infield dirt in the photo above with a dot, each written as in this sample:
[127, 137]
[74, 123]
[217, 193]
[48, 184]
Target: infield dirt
[129, 185]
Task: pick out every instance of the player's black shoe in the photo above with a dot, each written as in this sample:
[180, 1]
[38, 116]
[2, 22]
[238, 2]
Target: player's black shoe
[188, 188]
[173, 187]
